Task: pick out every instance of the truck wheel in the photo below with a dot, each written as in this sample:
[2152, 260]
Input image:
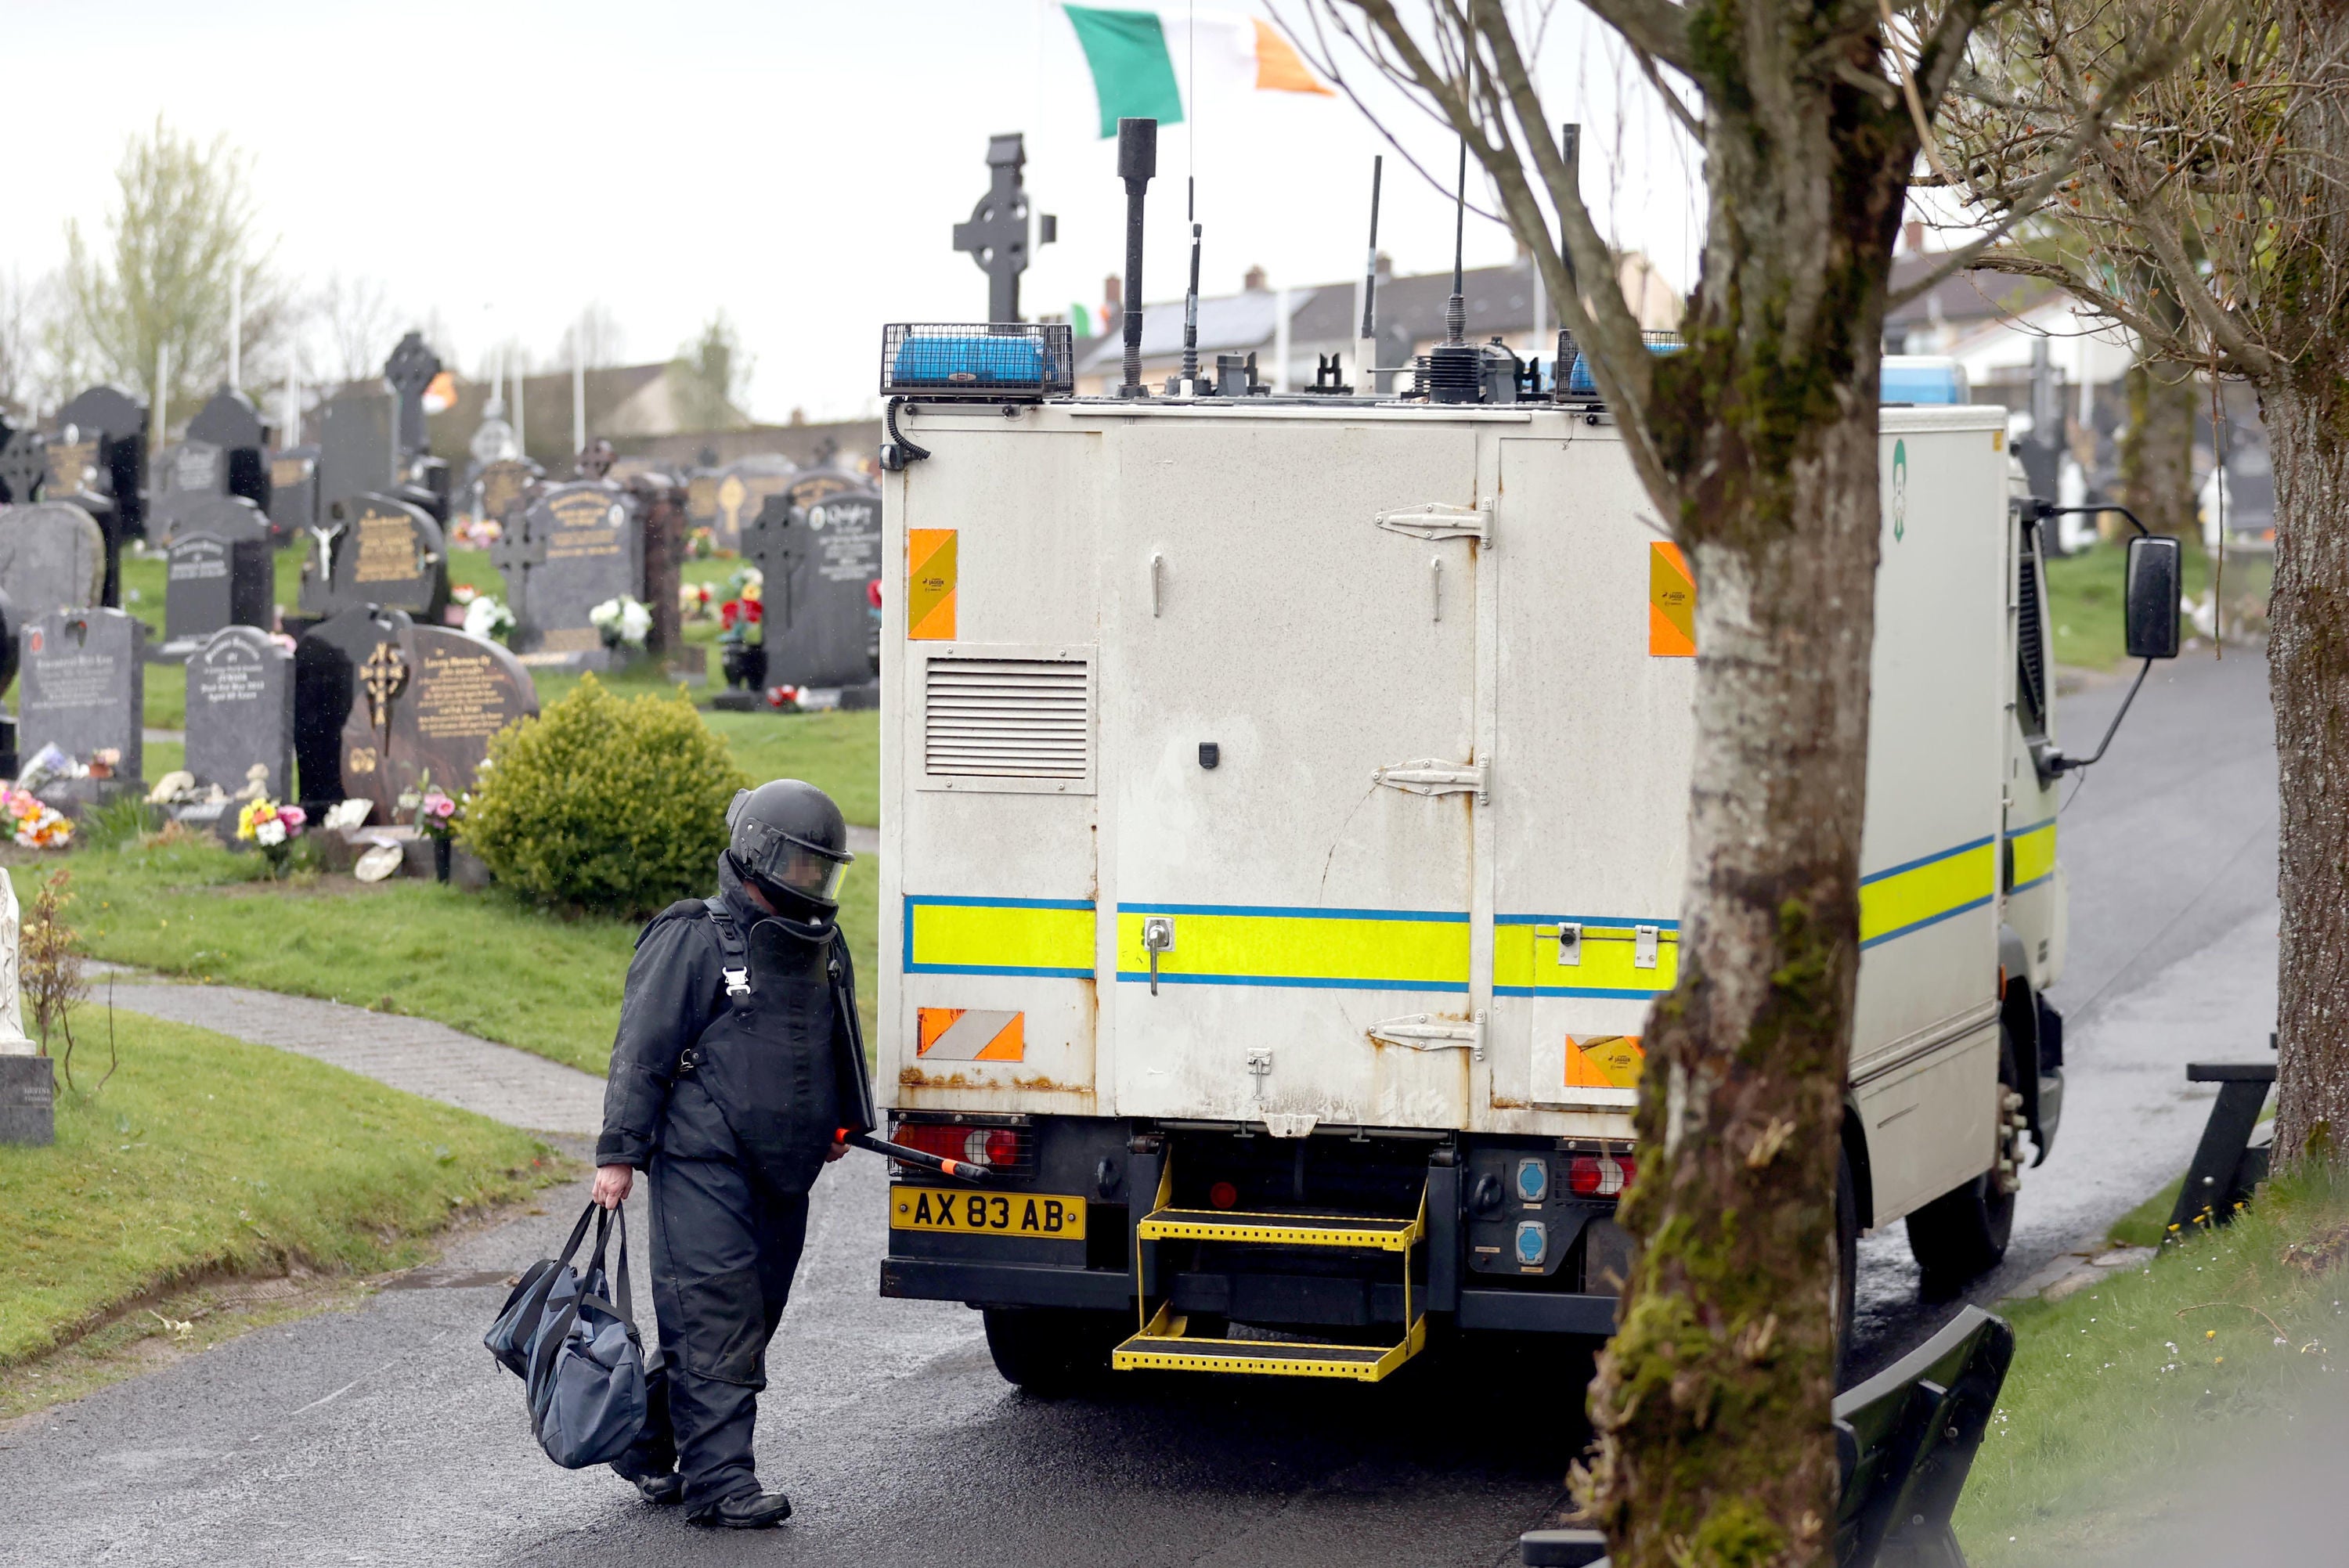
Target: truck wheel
[1847, 1256]
[1962, 1234]
[1053, 1352]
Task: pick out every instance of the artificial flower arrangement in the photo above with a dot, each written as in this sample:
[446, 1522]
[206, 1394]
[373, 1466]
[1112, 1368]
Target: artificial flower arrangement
[702, 542]
[742, 612]
[33, 825]
[272, 826]
[464, 593]
[434, 811]
[622, 621]
[489, 619]
[693, 601]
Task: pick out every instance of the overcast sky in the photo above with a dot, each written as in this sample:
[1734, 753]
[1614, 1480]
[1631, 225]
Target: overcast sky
[799, 164]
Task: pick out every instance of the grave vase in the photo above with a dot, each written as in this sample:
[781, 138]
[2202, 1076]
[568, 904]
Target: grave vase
[443, 851]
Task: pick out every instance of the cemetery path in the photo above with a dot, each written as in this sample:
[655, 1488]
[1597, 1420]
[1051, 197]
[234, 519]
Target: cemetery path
[415, 1054]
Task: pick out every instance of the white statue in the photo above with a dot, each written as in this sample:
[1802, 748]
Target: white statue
[13, 1041]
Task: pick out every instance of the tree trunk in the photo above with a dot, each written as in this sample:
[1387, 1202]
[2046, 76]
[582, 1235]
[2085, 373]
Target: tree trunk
[2306, 410]
[1712, 1402]
[2157, 450]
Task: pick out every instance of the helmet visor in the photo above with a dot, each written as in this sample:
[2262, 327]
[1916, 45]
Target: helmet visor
[791, 864]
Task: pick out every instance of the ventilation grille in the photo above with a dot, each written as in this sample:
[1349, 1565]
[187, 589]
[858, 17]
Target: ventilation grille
[2030, 637]
[1008, 719]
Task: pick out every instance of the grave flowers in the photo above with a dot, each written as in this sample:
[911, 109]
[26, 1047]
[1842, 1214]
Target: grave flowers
[693, 600]
[436, 816]
[488, 618]
[33, 825]
[272, 826]
[622, 622]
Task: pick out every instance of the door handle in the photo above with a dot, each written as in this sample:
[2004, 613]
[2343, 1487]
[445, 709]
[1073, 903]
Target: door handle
[1157, 937]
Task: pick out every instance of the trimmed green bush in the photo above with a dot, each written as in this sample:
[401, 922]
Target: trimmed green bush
[605, 805]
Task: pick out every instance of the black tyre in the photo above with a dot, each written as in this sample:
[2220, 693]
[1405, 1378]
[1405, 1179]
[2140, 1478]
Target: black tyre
[1847, 1256]
[1962, 1234]
[1053, 1352]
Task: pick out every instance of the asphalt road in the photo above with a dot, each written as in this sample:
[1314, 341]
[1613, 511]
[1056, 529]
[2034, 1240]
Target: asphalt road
[385, 1435]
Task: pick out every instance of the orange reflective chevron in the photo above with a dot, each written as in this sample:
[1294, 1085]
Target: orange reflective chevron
[971, 1035]
[930, 584]
[1672, 603]
[1603, 1061]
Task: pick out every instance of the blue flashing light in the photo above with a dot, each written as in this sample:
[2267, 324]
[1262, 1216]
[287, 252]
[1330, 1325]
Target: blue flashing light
[1922, 379]
[943, 361]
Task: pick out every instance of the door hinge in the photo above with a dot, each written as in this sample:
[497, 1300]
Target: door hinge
[1440, 520]
[1433, 1032]
[1433, 776]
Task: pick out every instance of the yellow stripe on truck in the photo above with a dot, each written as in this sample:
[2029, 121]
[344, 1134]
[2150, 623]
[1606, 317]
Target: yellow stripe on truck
[1524, 958]
[2034, 852]
[1341, 949]
[1048, 938]
[1906, 898]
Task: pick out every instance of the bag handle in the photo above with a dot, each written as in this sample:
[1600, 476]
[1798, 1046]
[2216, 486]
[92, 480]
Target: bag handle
[533, 1307]
[547, 1343]
[605, 1221]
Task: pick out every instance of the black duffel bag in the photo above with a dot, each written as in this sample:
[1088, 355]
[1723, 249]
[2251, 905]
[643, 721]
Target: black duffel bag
[579, 1357]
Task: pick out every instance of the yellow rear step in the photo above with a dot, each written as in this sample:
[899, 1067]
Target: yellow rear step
[1279, 1230]
[1163, 1348]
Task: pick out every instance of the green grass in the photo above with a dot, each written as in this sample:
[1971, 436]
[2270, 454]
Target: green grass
[2084, 599]
[484, 963]
[203, 1153]
[2153, 1375]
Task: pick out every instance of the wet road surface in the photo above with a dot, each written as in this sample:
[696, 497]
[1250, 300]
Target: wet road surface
[385, 1435]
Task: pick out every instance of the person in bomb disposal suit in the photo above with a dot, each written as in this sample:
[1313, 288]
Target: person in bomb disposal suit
[739, 1061]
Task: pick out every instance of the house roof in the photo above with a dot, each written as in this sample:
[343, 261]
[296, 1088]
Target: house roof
[1965, 297]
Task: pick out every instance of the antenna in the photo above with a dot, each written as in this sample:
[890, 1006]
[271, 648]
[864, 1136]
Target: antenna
[1370, 260]
[1137, 162]
[1191, 320]
[1453, 372]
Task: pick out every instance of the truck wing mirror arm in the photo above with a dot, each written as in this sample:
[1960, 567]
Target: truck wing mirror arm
[2150, 610]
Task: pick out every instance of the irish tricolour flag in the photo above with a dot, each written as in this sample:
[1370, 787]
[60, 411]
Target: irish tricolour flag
[1143, 62]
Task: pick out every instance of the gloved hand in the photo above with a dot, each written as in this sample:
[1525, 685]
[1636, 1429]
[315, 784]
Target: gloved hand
[835, 1152]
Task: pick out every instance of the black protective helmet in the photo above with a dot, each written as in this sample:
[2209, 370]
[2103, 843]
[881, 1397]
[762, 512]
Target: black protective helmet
[789, 839]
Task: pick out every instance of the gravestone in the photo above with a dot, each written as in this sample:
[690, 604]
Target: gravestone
[218, 572]
[423, 477]
[325, 683]
[355, 449]
[429, 700]
[230, 424]
[742, 488]
[52, 557]
[24, 466]
[577, 546]
[701, 498]
[292, 493]
[373, 549]
[82, 683]
[195, 468]
[502, 485]
[241, 711]
[819, 547]
[116, 426]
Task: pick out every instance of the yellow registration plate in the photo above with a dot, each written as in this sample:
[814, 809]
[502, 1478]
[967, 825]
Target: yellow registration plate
[1037, 1214]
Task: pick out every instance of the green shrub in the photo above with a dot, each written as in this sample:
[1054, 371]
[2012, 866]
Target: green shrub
[605, 805]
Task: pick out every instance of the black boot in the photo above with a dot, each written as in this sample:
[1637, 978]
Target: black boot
[661, 1491]
[748, 1511]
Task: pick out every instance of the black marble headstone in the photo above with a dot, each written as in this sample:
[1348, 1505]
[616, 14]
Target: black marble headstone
[83, 684]
[819, 547]
[743, 487]
[230, 517]
[230, 422]
[24, 466]
[578, 545]
[292, 493]
[52, 557]
[373, 549]
[241, 711]
[195, 468]
[355, 455]
[217, 577]
[325, 682]
[428, 701]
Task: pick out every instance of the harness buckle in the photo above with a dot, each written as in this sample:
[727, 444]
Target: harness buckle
[738, 982]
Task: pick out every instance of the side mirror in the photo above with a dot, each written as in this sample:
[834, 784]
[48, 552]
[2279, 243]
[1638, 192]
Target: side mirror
[2151, 598]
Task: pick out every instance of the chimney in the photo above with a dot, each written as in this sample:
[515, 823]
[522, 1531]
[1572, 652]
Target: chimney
[1385, 265]
[1114, 296]
[1253, 281]
[1912, 236]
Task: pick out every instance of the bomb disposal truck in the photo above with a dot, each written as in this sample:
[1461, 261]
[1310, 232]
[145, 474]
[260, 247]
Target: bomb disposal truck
[1283, 805]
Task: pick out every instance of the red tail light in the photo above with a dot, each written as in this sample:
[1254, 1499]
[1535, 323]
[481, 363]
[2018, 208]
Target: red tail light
[1007, 1149]
[1600, 1175]
[1223, 1195]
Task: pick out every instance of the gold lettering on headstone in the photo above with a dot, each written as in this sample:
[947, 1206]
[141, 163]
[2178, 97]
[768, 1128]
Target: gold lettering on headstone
[361, 760]
[461, 697]
[387, 548]
[71, 464]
